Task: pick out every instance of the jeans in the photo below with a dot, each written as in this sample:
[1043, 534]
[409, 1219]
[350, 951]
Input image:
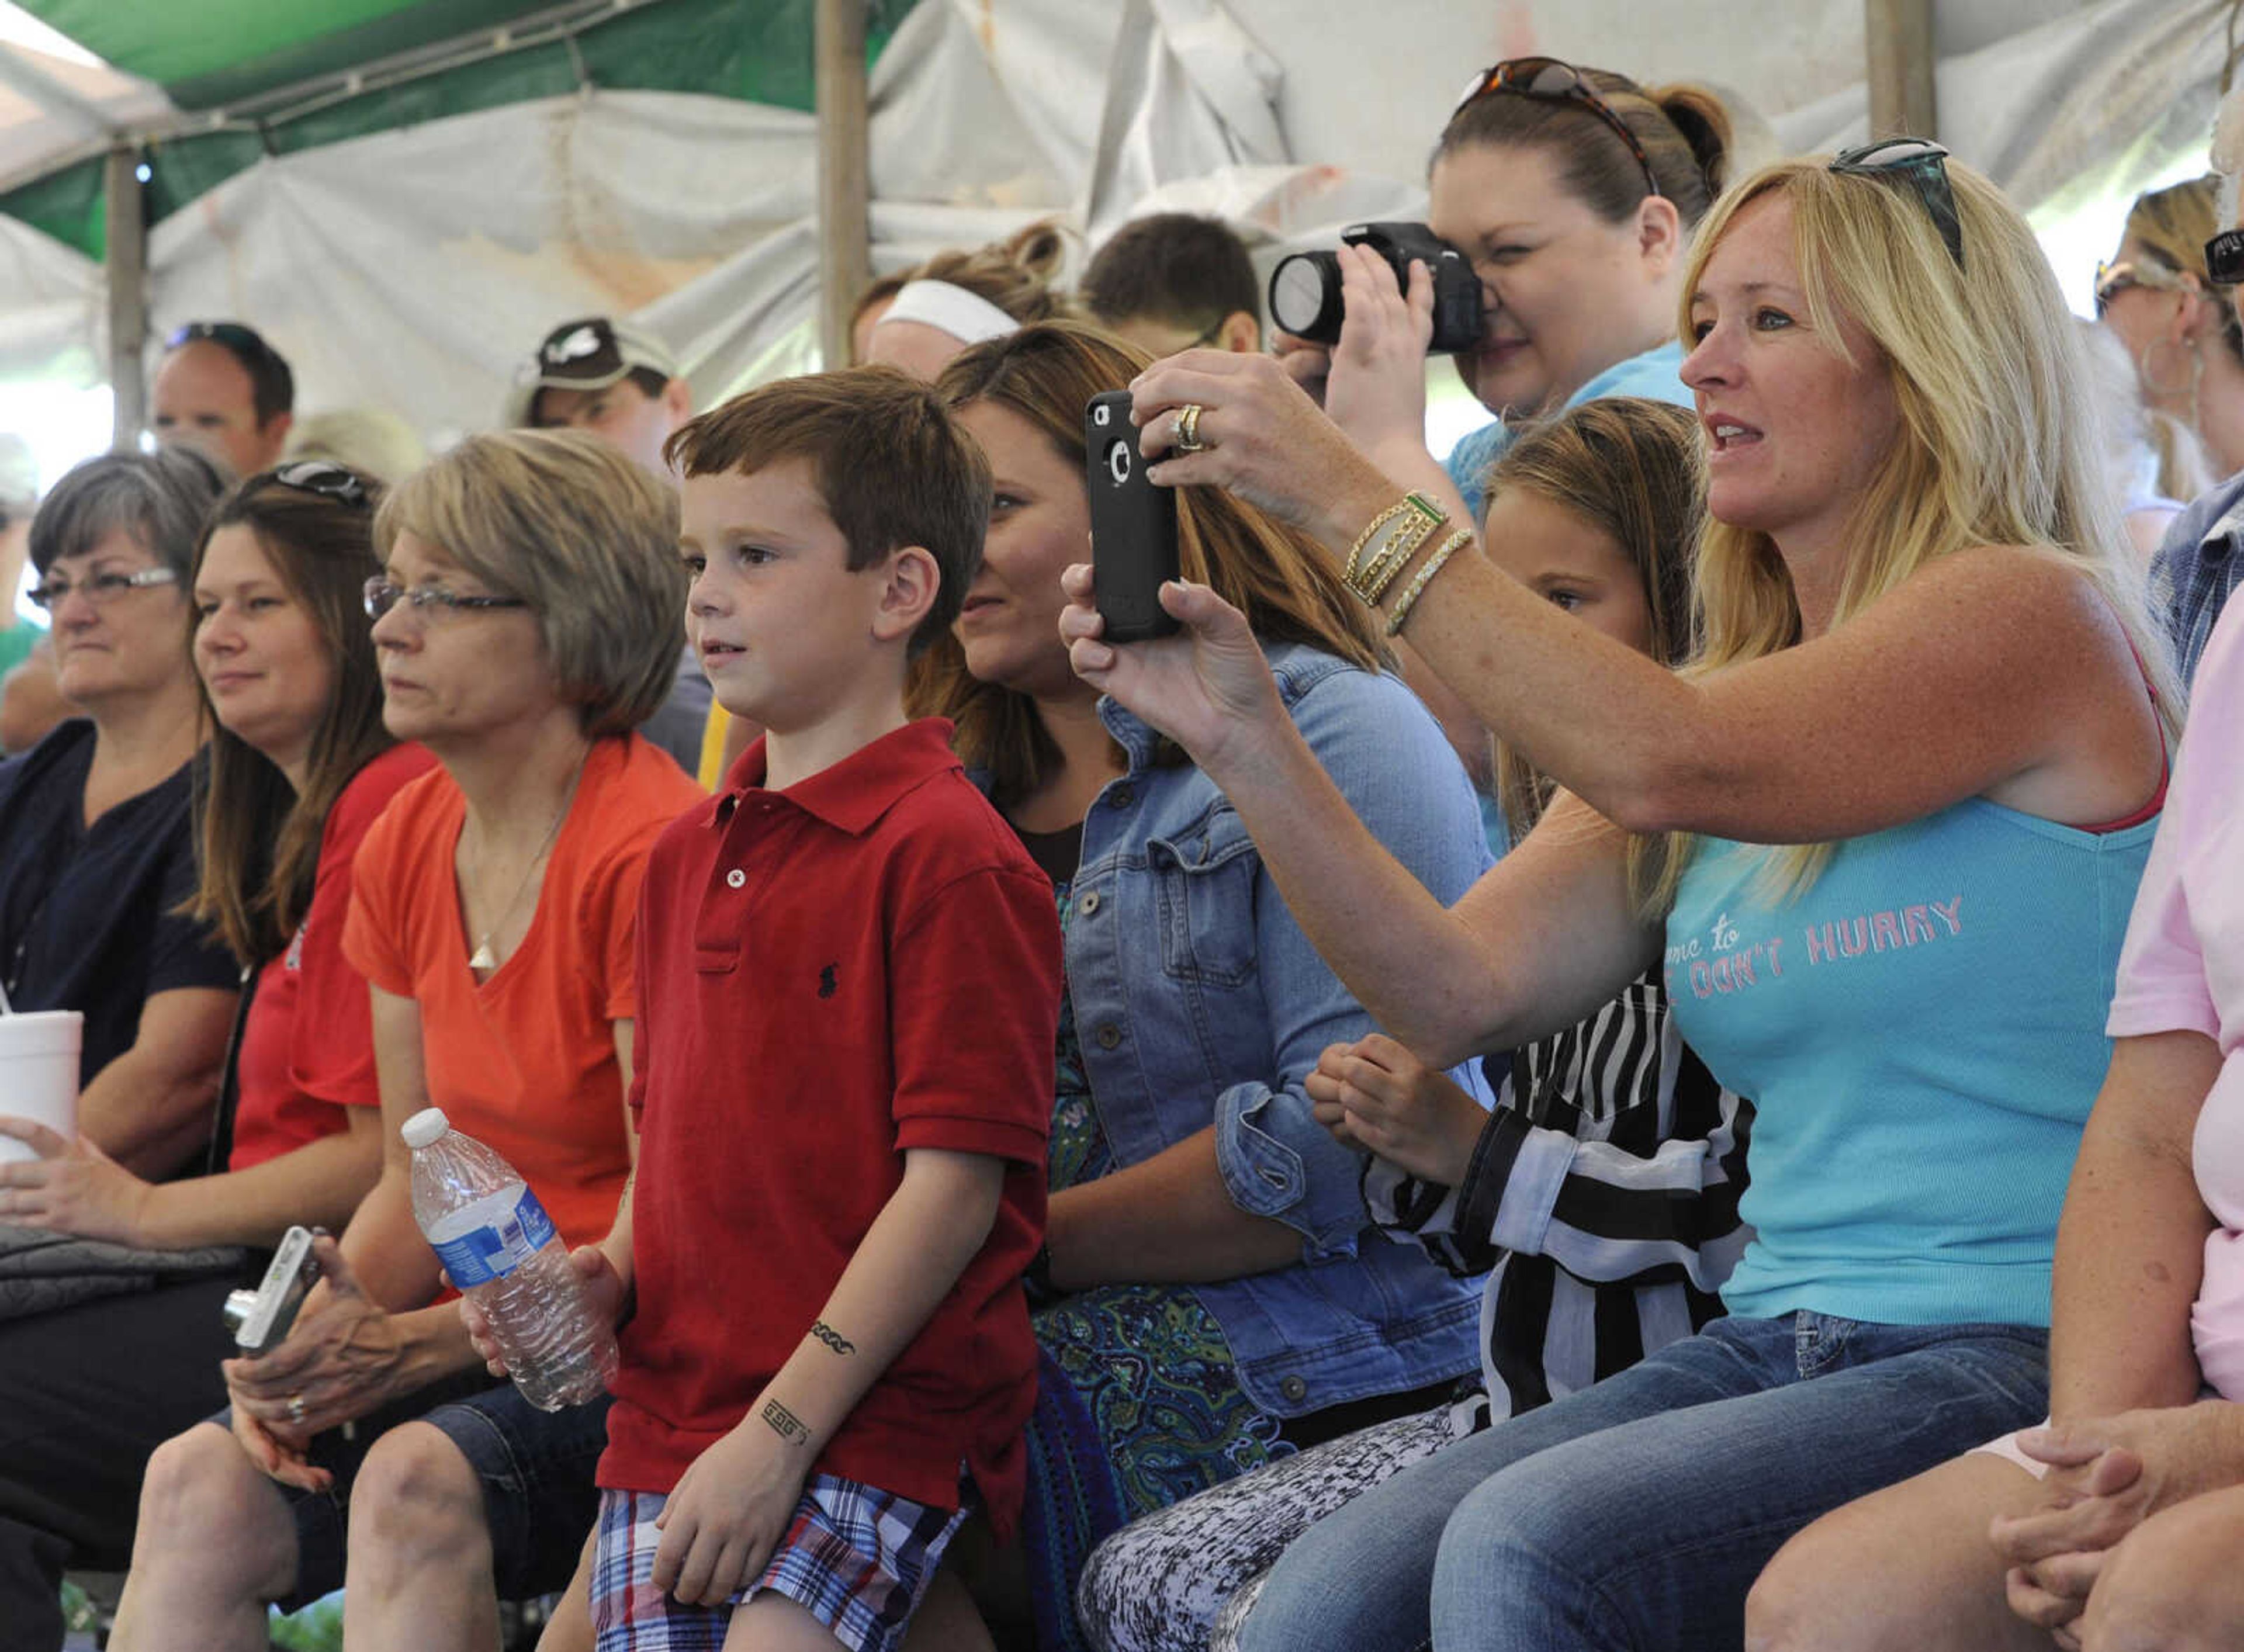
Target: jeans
[1637, 1513]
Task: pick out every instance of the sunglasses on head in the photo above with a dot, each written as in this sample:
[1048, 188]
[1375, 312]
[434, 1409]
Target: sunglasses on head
[2224, 257]
[2112, 279]
[326, 478]
[232, 334]
[1549, 80]
[1920, 164]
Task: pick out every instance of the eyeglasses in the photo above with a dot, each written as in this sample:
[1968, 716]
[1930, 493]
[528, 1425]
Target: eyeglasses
[427, 600]
[1920, 164]
[100, 589]
[326, 478]
[2224, 257]
[2112, 279]
[1549, 80]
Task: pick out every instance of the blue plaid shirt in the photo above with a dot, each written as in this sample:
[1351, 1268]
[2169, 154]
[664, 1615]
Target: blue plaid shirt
[2200, 563]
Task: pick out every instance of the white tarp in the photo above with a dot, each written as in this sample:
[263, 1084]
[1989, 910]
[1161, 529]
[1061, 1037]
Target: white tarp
[411, 269]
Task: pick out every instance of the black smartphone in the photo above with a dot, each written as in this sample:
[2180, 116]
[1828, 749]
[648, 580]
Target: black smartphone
[1133, 524]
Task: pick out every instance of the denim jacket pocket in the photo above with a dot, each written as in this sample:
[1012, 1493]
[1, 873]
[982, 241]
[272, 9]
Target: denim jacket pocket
[1203, 879]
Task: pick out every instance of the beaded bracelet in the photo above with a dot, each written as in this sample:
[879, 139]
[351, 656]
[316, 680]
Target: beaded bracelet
[1435, 564]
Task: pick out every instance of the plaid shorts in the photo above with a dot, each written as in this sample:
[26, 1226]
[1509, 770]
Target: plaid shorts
[856, 1558]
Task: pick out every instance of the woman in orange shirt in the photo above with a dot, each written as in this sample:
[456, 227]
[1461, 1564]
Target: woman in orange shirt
[526, 621]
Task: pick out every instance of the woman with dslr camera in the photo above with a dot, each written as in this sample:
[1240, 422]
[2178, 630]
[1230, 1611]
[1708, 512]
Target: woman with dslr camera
[1573, 192]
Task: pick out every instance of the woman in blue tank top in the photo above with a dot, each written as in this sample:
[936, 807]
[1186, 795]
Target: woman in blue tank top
[1883, 841]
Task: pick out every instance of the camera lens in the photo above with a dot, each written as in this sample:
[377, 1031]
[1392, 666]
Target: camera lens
[1305, 296]
[239, 1305]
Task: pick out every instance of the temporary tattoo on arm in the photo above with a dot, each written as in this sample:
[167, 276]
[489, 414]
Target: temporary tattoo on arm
[785, 1424]
[833, 1338]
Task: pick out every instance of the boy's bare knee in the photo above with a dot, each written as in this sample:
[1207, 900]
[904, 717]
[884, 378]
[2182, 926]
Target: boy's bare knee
[416, 1494]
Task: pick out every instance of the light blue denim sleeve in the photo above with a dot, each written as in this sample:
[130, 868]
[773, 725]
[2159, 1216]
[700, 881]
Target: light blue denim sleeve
[1387, 754]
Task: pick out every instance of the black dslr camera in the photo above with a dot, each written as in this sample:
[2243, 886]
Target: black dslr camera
[1305, 297]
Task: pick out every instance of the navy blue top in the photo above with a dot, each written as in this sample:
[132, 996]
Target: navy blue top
[86, 915]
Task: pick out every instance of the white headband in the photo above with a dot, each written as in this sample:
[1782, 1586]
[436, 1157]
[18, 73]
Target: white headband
[968, 317]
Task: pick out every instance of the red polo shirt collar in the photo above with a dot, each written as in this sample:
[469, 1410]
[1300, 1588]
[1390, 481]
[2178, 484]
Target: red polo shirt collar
[851, 796]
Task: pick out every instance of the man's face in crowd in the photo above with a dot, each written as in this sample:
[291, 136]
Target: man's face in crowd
[204, 399]
[624, 415]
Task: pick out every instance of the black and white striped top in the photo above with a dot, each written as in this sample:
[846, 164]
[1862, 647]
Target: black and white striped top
[1601, 1201]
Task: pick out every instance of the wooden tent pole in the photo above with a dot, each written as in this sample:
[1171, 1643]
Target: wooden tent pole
[127, 266]
[844, 174]
[1897, 35]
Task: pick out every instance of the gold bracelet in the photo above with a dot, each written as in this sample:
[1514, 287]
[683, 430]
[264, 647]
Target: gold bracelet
[1435, 564]
[1349, 569]
[1369, 578]
[1402, 543]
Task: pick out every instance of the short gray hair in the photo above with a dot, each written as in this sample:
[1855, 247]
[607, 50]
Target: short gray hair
[587, 538]
[162, 498]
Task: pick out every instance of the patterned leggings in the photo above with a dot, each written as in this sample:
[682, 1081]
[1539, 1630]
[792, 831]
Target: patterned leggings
[1182, 1579]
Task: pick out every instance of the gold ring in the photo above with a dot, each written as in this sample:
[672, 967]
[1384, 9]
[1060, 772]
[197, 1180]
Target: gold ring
[296, 1408]
[1188, 428]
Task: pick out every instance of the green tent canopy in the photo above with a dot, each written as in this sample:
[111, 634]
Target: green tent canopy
[278, 72]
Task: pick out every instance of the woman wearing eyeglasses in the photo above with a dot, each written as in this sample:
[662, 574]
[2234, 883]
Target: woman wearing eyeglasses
[97, 849]
[2158, 298]
[526, 623]
[300, 766]
[1879, 841]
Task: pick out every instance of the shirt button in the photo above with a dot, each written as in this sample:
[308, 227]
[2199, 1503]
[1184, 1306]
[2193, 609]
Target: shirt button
[736, 877]
[1091, 903]
[1294, 1389]
[1108, 1035]
[1121, 798]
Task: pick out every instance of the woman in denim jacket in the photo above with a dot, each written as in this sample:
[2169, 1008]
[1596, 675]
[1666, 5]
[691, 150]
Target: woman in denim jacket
[1212, 1297]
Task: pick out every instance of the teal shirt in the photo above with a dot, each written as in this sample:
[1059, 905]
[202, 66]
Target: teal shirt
[1656, 375]
[16, 643]
[1922, 1033]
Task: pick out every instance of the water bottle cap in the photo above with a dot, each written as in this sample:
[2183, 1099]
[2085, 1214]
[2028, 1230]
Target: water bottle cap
[425, 1126]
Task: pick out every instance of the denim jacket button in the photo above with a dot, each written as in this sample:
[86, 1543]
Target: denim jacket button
[1121, 798]
[1108, 1035]
[1295, 1390]
[1090, 904]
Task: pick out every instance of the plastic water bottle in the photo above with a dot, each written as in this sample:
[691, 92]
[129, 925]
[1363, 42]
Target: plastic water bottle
[500, 1249]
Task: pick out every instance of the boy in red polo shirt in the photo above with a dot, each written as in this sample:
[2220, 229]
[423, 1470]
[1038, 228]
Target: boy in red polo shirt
[850, 979]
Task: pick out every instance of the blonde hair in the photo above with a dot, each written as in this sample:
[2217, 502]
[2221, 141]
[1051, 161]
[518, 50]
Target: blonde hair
[1996, 445]
[2134, 431]
[587, 538]
[372, 441]
[2172, 225]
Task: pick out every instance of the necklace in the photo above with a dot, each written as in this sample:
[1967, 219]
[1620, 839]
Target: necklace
[482, 960]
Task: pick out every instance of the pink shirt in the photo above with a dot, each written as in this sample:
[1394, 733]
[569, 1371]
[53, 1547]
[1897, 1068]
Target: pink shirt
[2182, 970]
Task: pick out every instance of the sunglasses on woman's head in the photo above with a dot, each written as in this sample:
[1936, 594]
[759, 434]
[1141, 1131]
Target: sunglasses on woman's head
[326, 478]
[2112, 279]
[1920, 164]
[1551, 81]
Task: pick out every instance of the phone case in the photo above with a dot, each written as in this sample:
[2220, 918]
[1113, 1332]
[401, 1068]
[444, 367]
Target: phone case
[1133, 524]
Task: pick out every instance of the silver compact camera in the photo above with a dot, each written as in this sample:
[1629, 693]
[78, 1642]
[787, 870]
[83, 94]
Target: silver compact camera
[259, 1319]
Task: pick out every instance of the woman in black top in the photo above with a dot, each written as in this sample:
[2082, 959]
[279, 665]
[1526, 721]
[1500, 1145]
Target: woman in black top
[97, 847]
